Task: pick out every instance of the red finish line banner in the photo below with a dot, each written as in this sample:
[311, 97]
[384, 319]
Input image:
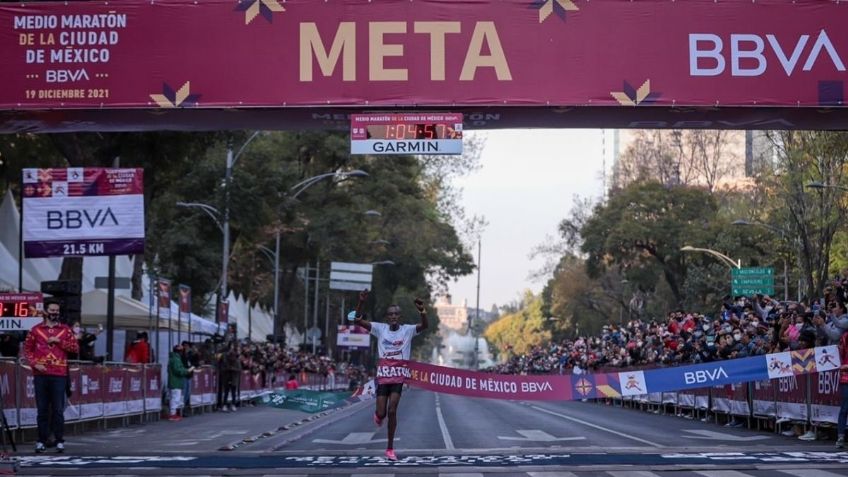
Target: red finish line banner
[396, 53]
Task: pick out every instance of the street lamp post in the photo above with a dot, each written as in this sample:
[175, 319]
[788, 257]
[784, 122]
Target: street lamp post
[477, 318]
[225, 222]
[783, 236]
[222, 219]
[724, 258]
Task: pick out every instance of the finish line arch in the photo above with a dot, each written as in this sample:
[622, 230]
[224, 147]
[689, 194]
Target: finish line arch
[305, 64]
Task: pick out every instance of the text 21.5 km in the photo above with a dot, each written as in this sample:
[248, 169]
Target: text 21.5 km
[83, 249]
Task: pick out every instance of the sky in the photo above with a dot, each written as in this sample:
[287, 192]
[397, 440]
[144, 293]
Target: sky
[525, 186]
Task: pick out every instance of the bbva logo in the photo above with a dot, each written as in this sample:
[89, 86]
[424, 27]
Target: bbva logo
[703, 376]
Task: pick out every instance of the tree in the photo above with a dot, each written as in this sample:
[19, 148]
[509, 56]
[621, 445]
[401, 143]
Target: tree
[813, 216]
[642, 229]
[679, 157]
[521, 330]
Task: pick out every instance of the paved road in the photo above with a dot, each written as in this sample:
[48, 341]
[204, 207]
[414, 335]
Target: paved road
[447, 436]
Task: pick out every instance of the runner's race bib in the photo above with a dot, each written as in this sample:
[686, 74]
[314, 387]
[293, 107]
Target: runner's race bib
[392, 371]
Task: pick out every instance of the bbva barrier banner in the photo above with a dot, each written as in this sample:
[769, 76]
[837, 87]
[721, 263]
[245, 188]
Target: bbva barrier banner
[616, 384]
[83, 211]
[156, 54]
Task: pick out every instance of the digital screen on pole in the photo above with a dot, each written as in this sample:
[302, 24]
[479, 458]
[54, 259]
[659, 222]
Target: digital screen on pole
[427, 133]
[413, 131]
[20, 311]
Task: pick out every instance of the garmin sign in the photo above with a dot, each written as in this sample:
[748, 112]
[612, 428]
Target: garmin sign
[83, 211]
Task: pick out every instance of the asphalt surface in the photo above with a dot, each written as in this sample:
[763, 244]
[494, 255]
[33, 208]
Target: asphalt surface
[442, 435]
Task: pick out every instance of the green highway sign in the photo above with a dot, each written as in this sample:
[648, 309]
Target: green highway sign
[758, 281]
[751, 281]
[738, 272]
[751, 291]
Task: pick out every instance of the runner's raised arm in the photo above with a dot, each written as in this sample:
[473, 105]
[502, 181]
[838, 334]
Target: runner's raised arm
[419, 304]
[360, 320]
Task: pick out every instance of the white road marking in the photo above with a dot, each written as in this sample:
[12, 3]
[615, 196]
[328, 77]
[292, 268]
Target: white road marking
[463, 474]
[595, 426]
[538, 436]
[632, 473]
[354, 438]
[809, 473]
[720, 436]
[445, 434]
[722, 473]
[551, 474]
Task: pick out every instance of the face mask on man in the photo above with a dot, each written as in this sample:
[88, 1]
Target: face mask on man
[54, 316]
[737, 337]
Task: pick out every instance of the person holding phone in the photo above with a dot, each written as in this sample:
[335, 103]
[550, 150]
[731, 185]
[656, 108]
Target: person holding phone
[394, 343]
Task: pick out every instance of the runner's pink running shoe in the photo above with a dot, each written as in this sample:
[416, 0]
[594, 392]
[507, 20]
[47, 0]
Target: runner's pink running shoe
[390, 454]
[377, 420]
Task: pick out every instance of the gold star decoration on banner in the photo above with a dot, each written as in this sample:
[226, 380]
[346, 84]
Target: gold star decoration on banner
[175, 99]
[631, 97]
[253, 8]
[546, 7]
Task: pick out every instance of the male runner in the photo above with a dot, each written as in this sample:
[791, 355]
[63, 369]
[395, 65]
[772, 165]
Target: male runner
[394, 342]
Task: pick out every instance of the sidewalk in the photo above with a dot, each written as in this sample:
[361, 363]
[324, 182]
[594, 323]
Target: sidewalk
[203, 433]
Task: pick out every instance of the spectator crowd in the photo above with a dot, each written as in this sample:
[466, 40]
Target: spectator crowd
[742, 327]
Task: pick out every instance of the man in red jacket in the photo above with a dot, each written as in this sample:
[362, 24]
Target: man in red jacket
[46, 349]
[139, 350]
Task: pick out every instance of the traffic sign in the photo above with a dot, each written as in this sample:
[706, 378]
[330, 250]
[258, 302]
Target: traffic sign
[751, 281]
[350, 276]
[751, 291]
[314, 333]
[752, 271]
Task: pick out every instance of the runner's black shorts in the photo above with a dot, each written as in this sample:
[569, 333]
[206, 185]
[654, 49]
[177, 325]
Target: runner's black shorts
[386, 389]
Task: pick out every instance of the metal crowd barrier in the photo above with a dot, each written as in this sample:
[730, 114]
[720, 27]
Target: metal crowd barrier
[121, 392]
[98, 392]
[811, 400]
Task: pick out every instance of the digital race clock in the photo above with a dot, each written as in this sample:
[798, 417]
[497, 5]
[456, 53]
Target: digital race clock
[20, 311]
[411, 133]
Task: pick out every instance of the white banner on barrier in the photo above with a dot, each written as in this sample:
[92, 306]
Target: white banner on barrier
[764, 408]
[91, 410]
[824, 413]
[28, 416]
[11, 417]
[72, 411]
[153, 404]
[135, 406]
[721, 404]
[797, 411]
[686, 400]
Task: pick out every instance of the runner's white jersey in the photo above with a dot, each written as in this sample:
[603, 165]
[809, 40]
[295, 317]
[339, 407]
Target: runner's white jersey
[393, 344]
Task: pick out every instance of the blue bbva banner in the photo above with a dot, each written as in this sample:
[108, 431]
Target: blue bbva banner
[618, 384]
[757, 368]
